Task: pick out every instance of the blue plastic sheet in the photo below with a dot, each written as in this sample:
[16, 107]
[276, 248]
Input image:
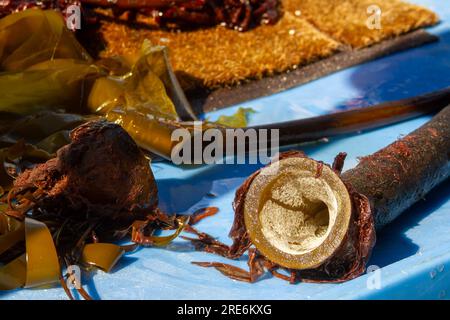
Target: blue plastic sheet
[413, 253]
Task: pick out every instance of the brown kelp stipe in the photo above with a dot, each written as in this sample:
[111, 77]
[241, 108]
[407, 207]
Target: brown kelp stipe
[291, 132]
[359, 119]
[319, 224]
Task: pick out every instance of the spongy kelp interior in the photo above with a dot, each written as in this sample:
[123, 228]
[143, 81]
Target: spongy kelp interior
[298, 212]
[309, 30]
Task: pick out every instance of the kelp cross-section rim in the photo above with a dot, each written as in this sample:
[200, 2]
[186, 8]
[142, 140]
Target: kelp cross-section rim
[258, 194]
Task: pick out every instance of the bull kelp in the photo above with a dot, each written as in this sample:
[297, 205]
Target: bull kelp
[304, 216]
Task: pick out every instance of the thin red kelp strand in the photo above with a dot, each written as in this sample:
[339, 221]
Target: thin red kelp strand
[339, 161]
[207, 243]
[78, 286]
[258, 265]
[63, 283]
[83, 293]
[203, 213]
[206, 239]
[279, 275]
[228, 270]
[24, 203]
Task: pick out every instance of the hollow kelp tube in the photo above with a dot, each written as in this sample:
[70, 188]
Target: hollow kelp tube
[306, 217]
[323, 223]
[401, 174]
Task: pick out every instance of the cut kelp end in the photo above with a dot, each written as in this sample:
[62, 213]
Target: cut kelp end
[297, 212]
[305, 216]
[301, 217]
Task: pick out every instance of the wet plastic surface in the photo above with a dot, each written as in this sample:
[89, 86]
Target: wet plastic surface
[413, 252]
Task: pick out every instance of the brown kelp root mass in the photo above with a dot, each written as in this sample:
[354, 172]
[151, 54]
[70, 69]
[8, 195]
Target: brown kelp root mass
[306, 217]
[101, 176]
[99, 188]
[236, 14]
[100, 153]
